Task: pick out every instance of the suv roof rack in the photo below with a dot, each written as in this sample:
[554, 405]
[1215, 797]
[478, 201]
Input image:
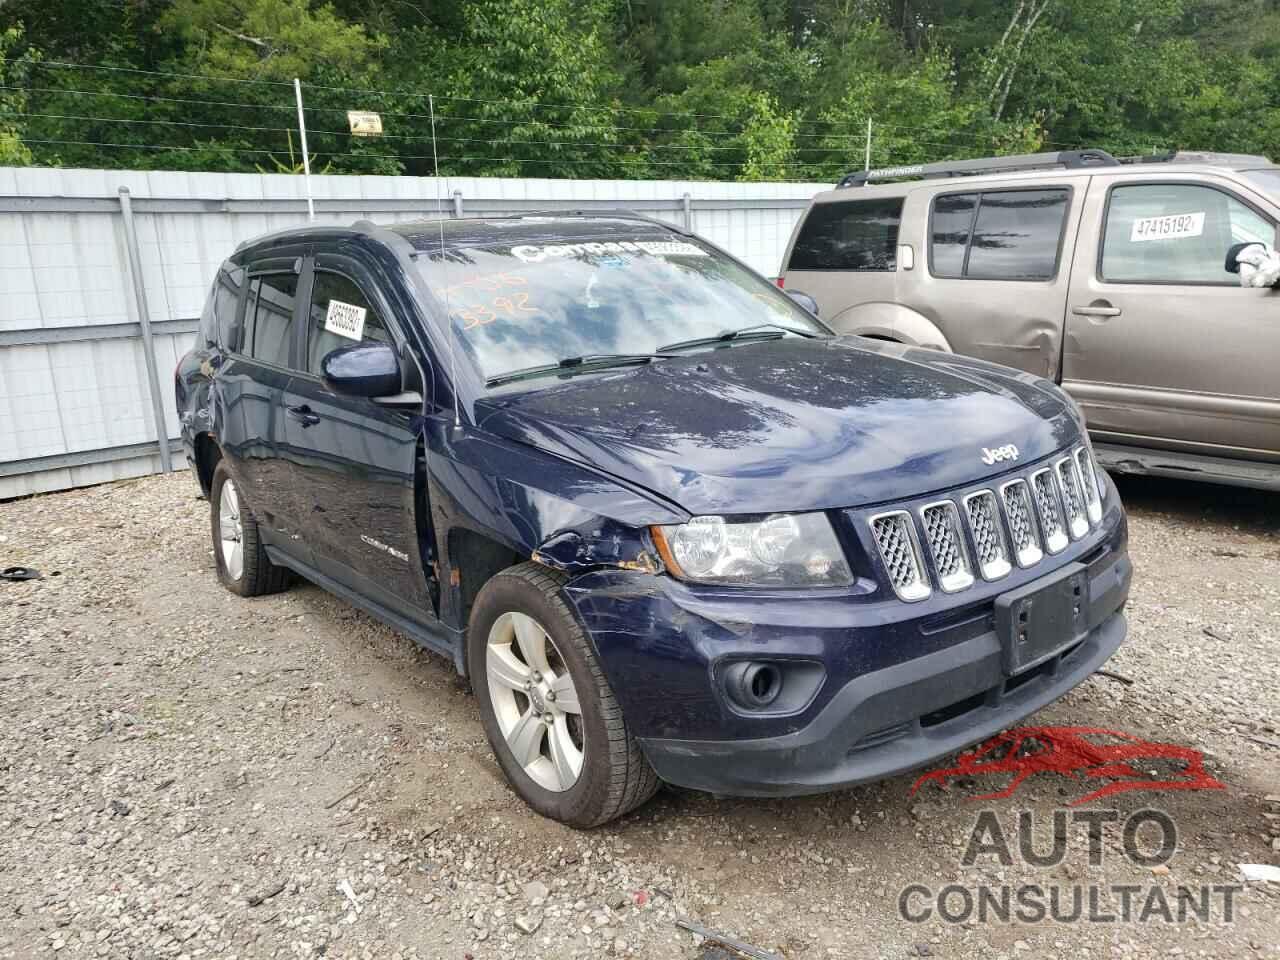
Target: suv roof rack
[1235, 161]
[616, 213]
[1059, 159]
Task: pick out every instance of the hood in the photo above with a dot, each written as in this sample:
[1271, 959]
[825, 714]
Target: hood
[792, 424]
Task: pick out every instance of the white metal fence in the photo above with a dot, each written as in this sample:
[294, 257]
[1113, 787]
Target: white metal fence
[97, 265]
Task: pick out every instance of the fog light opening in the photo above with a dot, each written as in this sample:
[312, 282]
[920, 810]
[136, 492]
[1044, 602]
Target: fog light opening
[754, 685]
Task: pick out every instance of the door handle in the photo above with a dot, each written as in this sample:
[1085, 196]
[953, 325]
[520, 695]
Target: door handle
[1102, 309]
[303, 415]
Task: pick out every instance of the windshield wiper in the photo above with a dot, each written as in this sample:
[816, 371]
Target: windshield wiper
[759, 331]
[590, 361]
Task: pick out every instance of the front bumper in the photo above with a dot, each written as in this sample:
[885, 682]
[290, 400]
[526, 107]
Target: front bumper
[902, 704]
[904, 685]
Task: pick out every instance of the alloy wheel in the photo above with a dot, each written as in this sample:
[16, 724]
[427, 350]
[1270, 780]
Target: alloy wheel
[535, 701]
[231, 531]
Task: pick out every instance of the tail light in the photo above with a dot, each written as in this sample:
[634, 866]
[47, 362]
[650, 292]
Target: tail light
[780, 281]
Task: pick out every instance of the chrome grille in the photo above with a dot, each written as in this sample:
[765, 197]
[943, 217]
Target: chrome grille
[1022, 525]
[1089, 484]
[988, 534]
[986, 531]
[1049, 510]
[946, 545]
[896, 539]
[1077, 522]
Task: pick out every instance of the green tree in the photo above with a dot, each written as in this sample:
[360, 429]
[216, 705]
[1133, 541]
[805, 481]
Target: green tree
[268, 39]
[13, 103]
[531, 92]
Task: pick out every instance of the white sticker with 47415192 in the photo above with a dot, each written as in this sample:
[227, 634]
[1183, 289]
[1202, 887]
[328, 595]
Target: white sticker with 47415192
[1175, 226]
[345, 319]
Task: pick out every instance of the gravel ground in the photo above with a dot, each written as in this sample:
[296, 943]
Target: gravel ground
[184, 773]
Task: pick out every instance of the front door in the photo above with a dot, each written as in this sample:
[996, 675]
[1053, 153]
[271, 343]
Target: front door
[1163, 347]
[353, 462]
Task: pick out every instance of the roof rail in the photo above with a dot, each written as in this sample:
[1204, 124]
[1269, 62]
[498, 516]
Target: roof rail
[617, 213]
[1061, 159]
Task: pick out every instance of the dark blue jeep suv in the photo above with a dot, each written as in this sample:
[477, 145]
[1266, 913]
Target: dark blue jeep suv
[668, 524]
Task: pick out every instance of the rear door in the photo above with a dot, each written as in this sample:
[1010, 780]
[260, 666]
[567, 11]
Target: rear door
[251, 382]
[996, 271]
[353, 461]
[1164, 348]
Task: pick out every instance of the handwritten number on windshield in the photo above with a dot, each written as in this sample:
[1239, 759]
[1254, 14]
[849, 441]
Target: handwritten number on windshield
[483, 314]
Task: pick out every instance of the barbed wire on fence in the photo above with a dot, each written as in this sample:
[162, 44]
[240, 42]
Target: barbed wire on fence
[686, 143]
[853, 124]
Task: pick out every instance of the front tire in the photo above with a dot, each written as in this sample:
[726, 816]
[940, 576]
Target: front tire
[551, 718]
[241, 557]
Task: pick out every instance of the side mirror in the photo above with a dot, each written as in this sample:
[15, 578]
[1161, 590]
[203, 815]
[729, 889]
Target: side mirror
[1256, 263]
[1233, 265]
[369, 369]
[804, 300]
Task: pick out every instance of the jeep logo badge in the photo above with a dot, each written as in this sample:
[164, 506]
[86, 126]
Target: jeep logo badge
[992, 455]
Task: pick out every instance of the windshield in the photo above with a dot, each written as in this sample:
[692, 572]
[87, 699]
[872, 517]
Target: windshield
[516, 306]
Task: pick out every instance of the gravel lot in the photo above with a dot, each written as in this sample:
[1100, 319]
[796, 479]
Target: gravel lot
[184, 773]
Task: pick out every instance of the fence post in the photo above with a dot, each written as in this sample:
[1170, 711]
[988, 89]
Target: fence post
[306, 160]
[144, 322]
[457, 204]
[687, 202]
[868, 160]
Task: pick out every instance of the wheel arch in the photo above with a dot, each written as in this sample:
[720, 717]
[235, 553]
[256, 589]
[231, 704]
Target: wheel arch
[882, 320]
[207, 454]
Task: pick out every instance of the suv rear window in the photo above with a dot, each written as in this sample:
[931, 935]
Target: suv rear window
[852, 235]
[1000, 235]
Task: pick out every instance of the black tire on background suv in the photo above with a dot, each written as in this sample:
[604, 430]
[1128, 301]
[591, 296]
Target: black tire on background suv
[547, 709]
[238, 550]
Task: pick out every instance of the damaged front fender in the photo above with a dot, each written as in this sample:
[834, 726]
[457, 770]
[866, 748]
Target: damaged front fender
[621, 548]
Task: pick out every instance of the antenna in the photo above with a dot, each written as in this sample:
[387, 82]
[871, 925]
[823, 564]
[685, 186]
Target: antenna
[444, 264]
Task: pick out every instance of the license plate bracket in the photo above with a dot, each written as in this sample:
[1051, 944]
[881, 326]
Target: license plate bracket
[1039, 620]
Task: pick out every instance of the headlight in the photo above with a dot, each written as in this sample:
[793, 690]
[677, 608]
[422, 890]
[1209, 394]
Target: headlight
[782, 550]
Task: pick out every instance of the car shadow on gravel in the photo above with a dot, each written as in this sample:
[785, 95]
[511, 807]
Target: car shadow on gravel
[1257, 511]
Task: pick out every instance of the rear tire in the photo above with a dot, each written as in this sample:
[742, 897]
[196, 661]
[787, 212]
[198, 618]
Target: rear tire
[238, 550]
[579, 763]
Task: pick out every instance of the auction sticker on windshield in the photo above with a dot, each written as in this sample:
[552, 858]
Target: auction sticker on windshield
[1175, 226]
[535, 253]
[345, 319]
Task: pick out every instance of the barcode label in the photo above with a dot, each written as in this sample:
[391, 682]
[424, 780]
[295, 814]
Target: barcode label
[345, 319]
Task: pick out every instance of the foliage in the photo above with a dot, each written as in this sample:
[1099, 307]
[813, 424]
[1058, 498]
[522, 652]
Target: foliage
[672, 89]
[13, 103]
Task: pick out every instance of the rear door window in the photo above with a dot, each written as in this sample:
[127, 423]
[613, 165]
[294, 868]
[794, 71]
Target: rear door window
[949, 230]
[1176, 233]
[340, 316]
[1010, 234]
[851, 235]
[225, 304]
[269, 334]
